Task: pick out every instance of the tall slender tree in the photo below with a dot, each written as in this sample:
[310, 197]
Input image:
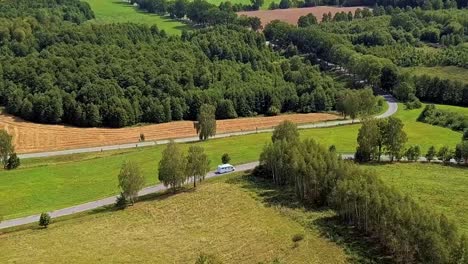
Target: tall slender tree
[394, 137]
[131, 181]
[198, 164]
[206, 126]
[172, 166]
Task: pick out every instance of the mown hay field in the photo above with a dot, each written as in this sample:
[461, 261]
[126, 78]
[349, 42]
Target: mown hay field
[221, 217]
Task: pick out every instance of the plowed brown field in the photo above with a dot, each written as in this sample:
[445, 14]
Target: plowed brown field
[291, 15]
[31, 137]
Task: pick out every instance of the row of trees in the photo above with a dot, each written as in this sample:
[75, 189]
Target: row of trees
[443, 91]
[406, 230]
[354, 103]
[443, 118]
[380, 136]
[174, 170]
[202, 12]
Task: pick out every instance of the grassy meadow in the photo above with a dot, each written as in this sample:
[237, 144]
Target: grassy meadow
[443, 72]
[217, 218]
[115, 11]
[57, 182]
[442, 188]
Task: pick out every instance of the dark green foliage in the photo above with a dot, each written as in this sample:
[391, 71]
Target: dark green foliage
[443, 91]
[445, 154]
[123, 74]
[284, 4]
[121, 202]
[452, 120]
[307, 20]
[225, 159]
[413, 153]
[44, 220]
[413, 103]
[13, 162]
[225, 110]
[431, 153]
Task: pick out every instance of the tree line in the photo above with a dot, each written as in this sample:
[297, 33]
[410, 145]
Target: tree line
[202, 12]
[444, 118]
[442, 91]
[406, 230]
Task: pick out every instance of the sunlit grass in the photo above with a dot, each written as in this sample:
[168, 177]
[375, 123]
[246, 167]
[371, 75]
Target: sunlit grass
[220, 218]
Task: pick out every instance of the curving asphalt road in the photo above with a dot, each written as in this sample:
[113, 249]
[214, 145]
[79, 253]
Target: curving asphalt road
[392, 108]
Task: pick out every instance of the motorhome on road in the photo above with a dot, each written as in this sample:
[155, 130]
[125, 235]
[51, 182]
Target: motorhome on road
[225, 168]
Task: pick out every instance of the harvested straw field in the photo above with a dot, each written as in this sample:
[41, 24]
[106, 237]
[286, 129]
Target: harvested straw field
[31, 137]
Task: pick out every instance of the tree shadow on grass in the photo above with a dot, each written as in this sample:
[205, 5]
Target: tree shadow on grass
[359, 247]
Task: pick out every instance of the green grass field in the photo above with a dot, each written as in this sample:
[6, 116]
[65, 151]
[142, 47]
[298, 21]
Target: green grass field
[221, 217]
[52, 183]
[442, 188]
[115, 11]
[443, 72]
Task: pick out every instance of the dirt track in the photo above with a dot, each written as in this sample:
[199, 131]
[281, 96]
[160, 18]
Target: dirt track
[32, 137]
[291, 15]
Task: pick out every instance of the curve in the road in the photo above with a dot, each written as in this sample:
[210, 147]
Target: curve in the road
[392, 109]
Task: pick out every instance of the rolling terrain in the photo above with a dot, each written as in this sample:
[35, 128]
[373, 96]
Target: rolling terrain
[217, 218]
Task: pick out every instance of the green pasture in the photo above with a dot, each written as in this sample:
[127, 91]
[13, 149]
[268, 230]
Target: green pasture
[443, 72]
[115, 11]
[442, 188]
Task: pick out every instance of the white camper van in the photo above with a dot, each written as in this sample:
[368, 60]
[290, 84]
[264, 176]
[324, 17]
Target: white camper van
[225, 168]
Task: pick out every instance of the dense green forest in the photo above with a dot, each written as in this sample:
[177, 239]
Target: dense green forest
[58, 70]
[374, 47]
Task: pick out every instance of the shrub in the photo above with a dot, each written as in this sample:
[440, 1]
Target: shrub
[142, 137]
[431, 153]
[413, 104]
[121, 202]
[13, 162]
[44, 220]
[261, 171]
[297, 237]
[273, 111]
[225, 159]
